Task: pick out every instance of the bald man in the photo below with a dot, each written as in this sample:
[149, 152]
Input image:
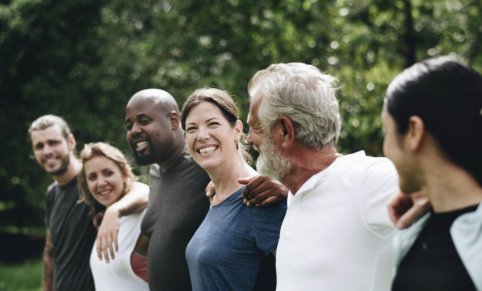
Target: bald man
[177, 204]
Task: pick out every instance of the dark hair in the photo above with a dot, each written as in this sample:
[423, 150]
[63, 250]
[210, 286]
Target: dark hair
[221, 99]
[447, 96]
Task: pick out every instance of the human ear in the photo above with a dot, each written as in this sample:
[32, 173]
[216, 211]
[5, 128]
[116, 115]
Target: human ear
[175, 120]
[239, 128]
[71, 142]
[287, 129]
[416, 132]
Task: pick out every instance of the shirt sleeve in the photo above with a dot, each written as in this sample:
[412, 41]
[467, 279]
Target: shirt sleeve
[266, 223]
[380, 183]
[49, 201]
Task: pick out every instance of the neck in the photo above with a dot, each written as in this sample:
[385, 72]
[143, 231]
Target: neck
[450, 187]
[72, 171]
[225, 178]
[177, 151]
[307, 162]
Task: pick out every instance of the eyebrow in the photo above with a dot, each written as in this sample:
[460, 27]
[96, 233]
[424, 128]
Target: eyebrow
[210, 119]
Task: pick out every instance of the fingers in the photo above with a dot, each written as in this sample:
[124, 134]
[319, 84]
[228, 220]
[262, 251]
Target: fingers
[397, 206]
[105, 252]
[262, 191]
[98, 247]
[116, 243]
[256, 185]
[110, 248]
[245, 181]
[251, 199]
[269, 201]
[419, 208]
[210, 190]
[106, 247]
[404, 210]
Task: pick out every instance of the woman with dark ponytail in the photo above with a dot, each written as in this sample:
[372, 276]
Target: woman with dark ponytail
[433, 134]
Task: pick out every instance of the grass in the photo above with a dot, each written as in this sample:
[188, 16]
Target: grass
[21, 277]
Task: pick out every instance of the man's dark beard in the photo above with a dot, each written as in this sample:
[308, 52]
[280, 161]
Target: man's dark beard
[63, 168]
[144, 159]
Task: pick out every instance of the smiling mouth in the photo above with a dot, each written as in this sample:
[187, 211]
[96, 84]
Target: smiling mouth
[207, 150]
[104, 192]
[141, 146]
[50, 161]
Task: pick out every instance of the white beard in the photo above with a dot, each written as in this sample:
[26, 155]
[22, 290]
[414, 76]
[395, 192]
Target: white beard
[271, 163]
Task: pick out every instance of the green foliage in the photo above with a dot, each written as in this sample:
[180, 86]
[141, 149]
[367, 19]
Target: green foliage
[26, 276]
[84, 59]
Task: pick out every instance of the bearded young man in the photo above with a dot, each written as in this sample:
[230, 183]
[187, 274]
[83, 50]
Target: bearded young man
[70, 230]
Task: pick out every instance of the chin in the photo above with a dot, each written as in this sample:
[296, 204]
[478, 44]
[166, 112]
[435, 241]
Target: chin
[409, 186]
[143, 159]
[208, 165]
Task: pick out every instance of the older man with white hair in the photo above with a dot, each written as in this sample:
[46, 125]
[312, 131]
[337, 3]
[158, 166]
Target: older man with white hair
[336, 234]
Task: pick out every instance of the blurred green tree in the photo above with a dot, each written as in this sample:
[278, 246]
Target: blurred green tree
[83, 60]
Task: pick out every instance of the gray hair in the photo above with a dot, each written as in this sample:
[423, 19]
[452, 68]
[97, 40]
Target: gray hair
[302, 93]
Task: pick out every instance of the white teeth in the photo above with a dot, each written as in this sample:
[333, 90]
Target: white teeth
[104, 192]
[141, 145]
[207, 150]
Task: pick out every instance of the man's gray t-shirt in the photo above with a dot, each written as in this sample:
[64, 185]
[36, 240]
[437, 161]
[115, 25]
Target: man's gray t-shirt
[177, 206]
[73, 236]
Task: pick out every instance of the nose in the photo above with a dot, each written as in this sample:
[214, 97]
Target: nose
[135, 128]
[203, 134]
[101, 181]
[47, 151]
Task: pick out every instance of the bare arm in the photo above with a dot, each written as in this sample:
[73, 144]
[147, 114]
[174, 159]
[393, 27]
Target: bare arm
[142, 245]
[48, 263]
[262, 191]
[405, 209]
[134, 201]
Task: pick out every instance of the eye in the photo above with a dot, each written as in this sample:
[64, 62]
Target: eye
[53, 142]
[108, 173]
[128, 125]
[213, 124]
[39, 146]
[144, 120]
[191, 129]
[92, 177]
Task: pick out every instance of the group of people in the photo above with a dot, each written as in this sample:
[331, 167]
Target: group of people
[305, 218]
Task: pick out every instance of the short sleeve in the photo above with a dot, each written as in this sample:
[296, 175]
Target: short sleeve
[380, 183]
[266, 223]
[49, 203]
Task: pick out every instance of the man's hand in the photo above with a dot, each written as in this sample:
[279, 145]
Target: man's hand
[107, 243]
[405, 209]
[262, 191]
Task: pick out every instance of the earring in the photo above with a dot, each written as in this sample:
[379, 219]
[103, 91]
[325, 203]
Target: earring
[236, 143]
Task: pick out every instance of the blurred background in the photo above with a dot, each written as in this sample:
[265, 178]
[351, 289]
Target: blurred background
[84, 59]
